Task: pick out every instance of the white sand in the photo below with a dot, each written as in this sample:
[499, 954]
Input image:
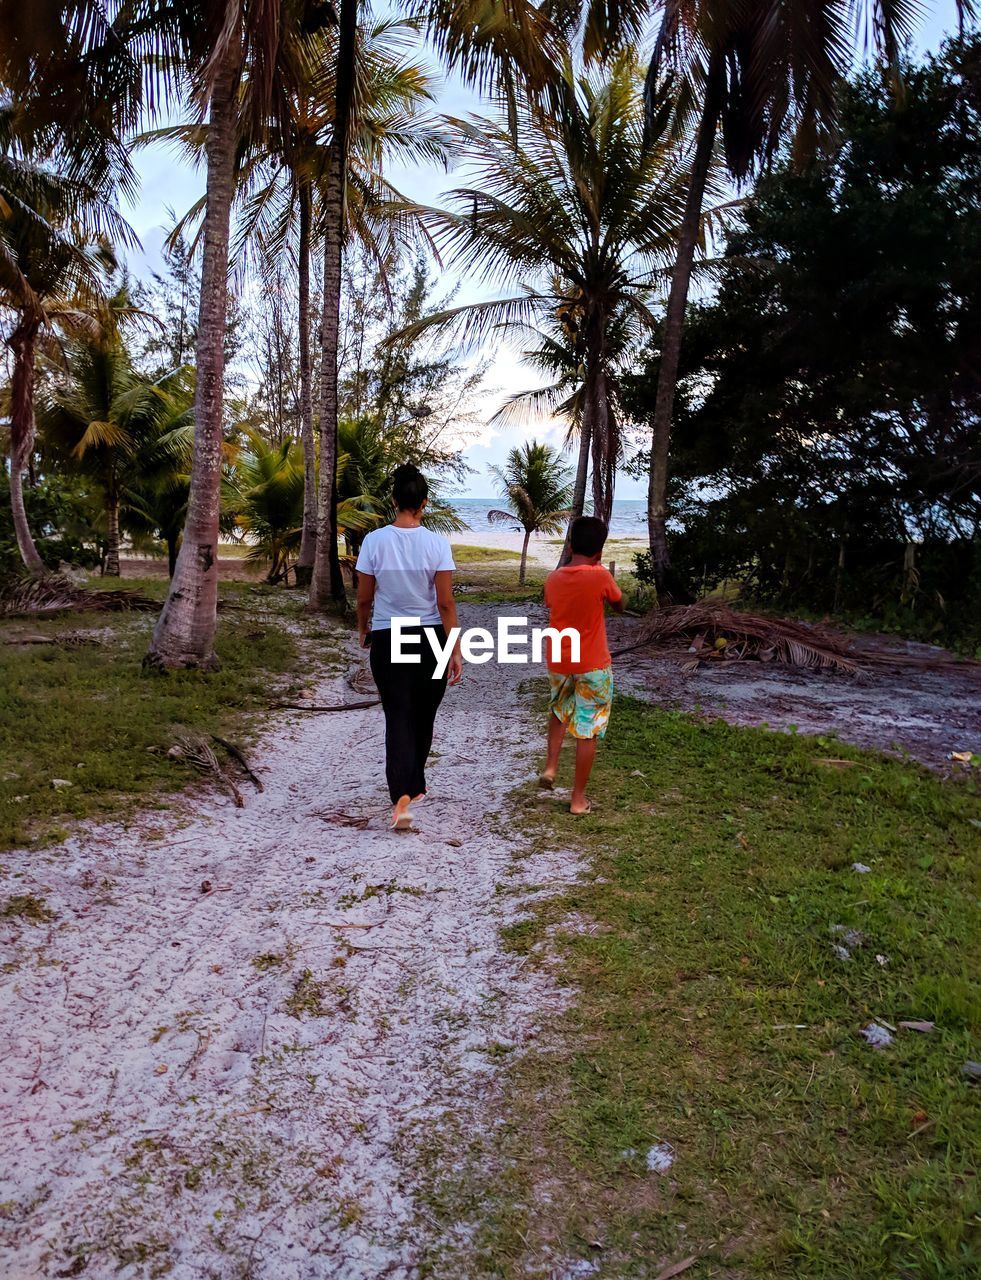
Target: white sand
[543, 549]
[161, 1110]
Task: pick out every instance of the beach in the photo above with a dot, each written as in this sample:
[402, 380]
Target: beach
[543, 549]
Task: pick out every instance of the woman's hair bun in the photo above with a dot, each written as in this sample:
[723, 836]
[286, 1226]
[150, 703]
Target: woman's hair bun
[409, 487]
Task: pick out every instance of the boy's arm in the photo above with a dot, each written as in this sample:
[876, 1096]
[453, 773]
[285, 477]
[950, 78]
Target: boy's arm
[446, 605]
[614, 595]
[366, 596]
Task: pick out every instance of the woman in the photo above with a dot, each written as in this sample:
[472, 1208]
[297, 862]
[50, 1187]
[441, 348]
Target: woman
[406, 571]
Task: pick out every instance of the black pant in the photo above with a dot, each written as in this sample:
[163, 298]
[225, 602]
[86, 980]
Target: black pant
[410, 699]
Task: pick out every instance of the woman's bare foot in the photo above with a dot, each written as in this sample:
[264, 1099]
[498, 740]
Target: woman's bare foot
[580, 807]
[401, 817]
[546, 781]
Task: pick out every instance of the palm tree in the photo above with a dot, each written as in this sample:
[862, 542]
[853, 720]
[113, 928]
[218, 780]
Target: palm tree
[368, 455]
[555, 354]
[508, 48]
[53, 265]
[752, 72]
[74, 86]
[535, 484]
[326, 582]
[385, 121]
[244, 61]
[268, 487]
[104, 417]
[581, 214]
[155, 500]
[265, 497]
[282, 178]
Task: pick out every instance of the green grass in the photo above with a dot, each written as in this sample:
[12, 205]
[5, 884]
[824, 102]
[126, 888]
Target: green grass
[482, 555]
[89, 716]
[717, 866]
[487, 583]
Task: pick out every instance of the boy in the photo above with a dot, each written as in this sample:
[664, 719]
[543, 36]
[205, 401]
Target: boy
[581, 692]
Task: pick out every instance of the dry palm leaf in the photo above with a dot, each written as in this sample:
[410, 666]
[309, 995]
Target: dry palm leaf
[54, 593]
[197, 751]
[716, 633]
[361, 680]
[341, 819]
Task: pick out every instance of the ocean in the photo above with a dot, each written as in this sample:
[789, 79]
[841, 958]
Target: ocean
[629, 518]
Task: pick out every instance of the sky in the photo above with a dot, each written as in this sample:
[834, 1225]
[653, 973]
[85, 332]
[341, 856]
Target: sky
[169, 183]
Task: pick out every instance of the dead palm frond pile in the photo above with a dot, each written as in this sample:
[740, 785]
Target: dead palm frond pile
[715, 633]
[54, 594]
[712, 632]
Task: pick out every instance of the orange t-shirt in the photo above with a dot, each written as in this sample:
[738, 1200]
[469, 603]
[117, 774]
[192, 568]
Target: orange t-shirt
[575, 596]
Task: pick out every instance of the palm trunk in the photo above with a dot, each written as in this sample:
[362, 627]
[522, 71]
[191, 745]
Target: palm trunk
[327, 585]
[22, 344]
[665, 580]
[171, 554]
[604, 445]
[112, 533]
[185, 632]
[524, 558]
[308, 538]
[579, 486]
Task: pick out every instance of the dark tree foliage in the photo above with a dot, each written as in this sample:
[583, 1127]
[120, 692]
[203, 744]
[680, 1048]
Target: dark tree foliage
[827, 448]
[65, 512]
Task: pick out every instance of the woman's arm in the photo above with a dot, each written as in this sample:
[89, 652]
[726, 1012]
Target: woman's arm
[366, 596]
[446, 605]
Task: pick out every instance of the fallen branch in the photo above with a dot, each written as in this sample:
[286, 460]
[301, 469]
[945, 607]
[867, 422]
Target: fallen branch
[343, 706]
[238, 754]
[676, 1268]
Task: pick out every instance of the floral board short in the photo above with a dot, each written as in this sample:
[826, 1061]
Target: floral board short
[582, 702]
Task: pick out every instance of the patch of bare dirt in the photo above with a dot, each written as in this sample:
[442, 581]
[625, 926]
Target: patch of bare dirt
[902, 709]
[231, 569]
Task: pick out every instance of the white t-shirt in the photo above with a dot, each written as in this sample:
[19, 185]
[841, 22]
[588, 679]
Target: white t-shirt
[404, 564]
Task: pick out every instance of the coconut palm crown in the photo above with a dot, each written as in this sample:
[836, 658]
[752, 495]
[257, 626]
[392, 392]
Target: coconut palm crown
[578, 213]
[537, 487]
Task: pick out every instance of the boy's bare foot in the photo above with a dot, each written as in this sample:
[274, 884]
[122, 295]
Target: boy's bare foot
[401, 817]
[546, 781]
[580, 807]
[420, 797]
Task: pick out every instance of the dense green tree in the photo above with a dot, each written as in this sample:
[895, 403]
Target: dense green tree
[752, 74]
[104, 418]
[54, 266]
[827, 441]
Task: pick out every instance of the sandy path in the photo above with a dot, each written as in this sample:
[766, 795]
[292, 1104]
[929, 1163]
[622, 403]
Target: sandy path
[162, 1110]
